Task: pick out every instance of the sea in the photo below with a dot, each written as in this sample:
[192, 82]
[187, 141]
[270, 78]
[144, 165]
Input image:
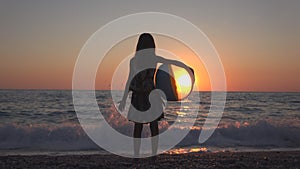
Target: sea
[45, 121]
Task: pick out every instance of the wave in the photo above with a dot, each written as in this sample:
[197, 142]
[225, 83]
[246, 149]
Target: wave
[258, 135]
[67, 137]
[72, 137]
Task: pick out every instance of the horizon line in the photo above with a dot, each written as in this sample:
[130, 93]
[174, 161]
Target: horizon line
[228, 91]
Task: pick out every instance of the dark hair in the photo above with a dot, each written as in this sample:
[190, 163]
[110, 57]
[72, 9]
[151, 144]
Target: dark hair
[145, 41]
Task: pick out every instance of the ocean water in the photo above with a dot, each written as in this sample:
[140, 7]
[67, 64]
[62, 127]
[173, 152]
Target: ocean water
[45, 120]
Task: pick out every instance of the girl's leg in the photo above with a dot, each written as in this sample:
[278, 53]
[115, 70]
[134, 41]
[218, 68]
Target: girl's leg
[137, 134]
[154, 136]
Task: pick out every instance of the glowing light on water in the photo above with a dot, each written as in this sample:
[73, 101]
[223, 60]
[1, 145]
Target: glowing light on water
[187, 150]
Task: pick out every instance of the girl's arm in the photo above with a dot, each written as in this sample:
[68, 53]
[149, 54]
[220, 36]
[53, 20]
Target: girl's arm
[179, 64]
[123, 101]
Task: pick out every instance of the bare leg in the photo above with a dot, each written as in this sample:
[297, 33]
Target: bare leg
[154, 136]
[137, 134]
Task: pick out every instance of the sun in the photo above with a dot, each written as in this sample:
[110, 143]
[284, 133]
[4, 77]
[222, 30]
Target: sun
[183, 82]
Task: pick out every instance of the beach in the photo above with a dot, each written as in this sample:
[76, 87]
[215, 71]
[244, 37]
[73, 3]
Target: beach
[40, 129]
[262, 159]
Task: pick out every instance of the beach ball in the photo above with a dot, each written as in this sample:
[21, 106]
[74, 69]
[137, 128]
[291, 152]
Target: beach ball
[174, 81]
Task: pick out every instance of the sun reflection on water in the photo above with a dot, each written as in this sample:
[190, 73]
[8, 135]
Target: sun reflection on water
[187, 150]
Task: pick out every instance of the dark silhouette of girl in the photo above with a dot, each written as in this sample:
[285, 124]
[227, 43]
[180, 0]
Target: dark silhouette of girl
[141, 83]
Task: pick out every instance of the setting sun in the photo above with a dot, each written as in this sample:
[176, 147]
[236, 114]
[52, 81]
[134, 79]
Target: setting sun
[183, 82]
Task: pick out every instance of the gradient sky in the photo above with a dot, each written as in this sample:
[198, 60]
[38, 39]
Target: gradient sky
[258, 40]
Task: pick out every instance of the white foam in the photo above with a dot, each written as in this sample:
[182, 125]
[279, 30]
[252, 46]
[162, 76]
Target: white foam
[72, 137]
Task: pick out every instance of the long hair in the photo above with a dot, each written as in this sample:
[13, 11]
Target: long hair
[146, 41]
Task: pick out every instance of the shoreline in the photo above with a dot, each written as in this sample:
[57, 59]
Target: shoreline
[175, 150]
[260, 159]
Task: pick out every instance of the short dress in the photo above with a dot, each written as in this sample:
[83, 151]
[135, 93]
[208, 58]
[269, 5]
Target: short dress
[141, 86]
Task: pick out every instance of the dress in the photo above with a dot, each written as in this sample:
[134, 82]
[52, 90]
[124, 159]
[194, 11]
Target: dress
[141, 86]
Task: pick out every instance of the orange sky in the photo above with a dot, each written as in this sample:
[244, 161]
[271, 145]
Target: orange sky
[258, 42]
[250, 74]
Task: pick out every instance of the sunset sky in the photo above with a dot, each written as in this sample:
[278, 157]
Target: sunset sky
[258, 41]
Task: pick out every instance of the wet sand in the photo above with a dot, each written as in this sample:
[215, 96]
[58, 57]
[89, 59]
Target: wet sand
[268, 159]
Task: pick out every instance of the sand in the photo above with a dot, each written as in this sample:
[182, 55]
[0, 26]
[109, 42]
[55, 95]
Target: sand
[270, 159]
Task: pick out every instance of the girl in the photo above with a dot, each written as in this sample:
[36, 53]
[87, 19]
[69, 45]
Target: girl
[143, 66]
